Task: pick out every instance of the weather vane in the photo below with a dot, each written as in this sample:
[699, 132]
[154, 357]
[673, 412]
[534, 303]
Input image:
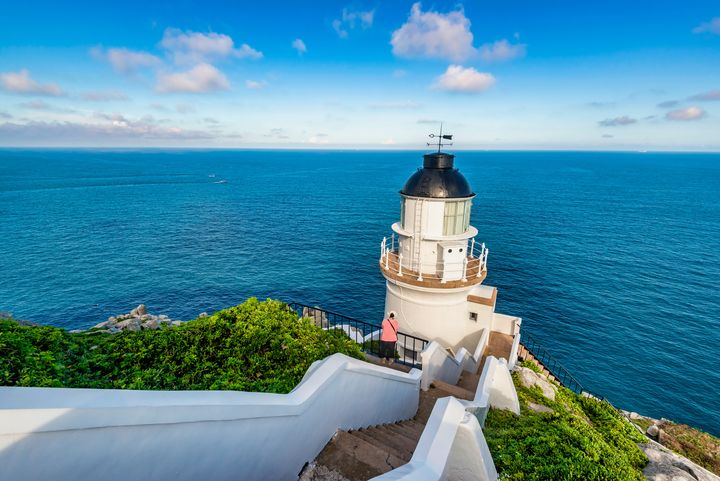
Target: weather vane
[440, 137]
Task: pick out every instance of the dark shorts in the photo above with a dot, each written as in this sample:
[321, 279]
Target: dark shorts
[387, 349]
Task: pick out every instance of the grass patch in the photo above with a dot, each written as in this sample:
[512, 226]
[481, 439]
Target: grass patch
[698, 446]
[256, 346]
[582, 439]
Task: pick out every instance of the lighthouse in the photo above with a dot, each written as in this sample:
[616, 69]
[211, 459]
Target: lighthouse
[433, 265]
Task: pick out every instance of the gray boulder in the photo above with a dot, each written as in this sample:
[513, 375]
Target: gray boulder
[530, 378]
[653, 431]
[138, 311]
[151, 324]
[539, 408]
[664, 465]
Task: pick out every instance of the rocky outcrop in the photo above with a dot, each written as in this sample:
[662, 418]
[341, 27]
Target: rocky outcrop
[530, 378]
[664, 465]
[136, 320]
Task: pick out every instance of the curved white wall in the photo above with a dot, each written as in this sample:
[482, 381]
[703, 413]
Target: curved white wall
[108, 435]
[436, 314]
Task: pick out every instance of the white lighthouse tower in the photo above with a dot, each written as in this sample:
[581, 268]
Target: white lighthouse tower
[432, 263]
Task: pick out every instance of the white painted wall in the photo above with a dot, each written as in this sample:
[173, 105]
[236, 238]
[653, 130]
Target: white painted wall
[514, 352]
[436, 314]
[506, 324]
[108, 435]
[452, 447]
[495, 388]
[438, 363]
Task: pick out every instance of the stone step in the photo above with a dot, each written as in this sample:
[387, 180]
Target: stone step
[386, 441]
[469, 381]
[408, 431]
[456, 391]
[357, 459]
[399, 431]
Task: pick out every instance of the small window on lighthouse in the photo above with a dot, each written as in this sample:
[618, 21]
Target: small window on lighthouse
[457, 217]
[473, 316]
[402, 213]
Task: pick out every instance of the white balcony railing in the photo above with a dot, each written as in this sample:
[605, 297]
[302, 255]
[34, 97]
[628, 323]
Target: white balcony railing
[471, 267]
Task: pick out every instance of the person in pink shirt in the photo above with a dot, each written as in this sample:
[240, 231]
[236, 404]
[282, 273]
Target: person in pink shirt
[388, 339]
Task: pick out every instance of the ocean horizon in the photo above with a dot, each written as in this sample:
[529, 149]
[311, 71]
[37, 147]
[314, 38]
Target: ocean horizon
[612, 259]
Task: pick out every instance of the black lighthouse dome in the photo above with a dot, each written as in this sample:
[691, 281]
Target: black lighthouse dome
[438, 179]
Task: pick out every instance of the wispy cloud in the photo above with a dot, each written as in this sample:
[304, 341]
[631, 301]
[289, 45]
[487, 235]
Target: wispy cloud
[464, 80]
[201, 78]
[689, 113]
[103, 96]
[617, 121]
[188, 47]
[126, 61]
[42, 105]
[103, 129]
[600, 105]
[395, 105]
[707, 96]
[255, 84]
[350, 19]
[21, 82]
[428, 121]
[434, 35]
[502, 51]
[713, 26]
[299, 46]
[668, 104]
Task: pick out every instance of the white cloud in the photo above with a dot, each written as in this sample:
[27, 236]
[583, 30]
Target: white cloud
[201, 78]
[125, 61]
[501, 51]
[351, 19]
[105, 128]
[20, 82]
[689, 113]
[299, 45]
[713, 26]
[184, 109]
[399, 73]
[103, 96]
[42, 105]
[668, 104]
[395, 105]
[195, 47]
[255, 84]
[617, 121]
[318, 139]
[465, 80]
[434, 35]
[707, 96]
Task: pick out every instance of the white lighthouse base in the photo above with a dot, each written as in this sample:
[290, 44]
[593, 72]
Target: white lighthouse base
[452, 317]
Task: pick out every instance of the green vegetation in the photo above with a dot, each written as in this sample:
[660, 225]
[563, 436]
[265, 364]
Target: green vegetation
[696, 445]
[581, 439]
[256, 346]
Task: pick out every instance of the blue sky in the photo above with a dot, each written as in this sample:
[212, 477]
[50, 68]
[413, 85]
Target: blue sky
[519, 74]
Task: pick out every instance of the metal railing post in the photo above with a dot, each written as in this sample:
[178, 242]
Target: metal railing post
[387, 258]
[400, 257]
[472, 247]
[465, 262]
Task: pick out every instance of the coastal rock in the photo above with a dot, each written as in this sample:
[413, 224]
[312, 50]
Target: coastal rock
[539, 408]
[132, 324]
[664, 465]
[530, 378]
[203, 314]
[177, 323]
[653, 431]
[138, 311]
[104, 324]
[151, 324]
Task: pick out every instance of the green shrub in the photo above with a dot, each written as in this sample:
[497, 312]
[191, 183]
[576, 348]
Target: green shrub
[582, 439]
[256, 346]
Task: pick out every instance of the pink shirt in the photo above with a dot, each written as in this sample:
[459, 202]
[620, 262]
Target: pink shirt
[389, 330]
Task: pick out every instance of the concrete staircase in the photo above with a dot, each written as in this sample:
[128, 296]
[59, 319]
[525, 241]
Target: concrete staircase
[362, 454]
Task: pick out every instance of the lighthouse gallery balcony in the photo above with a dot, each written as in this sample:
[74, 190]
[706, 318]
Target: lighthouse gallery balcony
[470, 271]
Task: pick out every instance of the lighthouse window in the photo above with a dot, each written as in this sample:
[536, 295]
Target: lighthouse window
[457, 217]
[402, 213]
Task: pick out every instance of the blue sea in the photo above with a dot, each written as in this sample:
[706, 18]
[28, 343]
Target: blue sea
[611, 259]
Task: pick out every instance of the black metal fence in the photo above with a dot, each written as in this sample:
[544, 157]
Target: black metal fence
[366, 334]
[551, 364]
